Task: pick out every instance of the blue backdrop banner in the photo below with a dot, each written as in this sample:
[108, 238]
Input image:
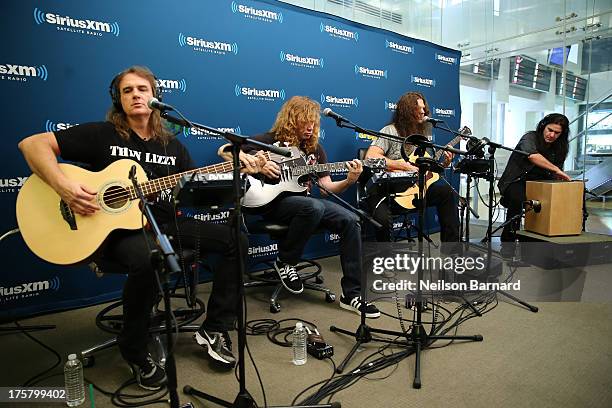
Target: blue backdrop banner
[227, 64]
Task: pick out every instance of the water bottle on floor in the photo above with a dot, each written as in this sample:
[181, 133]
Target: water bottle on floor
[73, 378]
[299, 344]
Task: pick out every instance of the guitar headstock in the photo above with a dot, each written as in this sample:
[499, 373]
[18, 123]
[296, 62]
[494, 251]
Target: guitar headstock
[465, 131]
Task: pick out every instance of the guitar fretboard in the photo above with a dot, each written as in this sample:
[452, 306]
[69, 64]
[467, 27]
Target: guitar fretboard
[163, 183]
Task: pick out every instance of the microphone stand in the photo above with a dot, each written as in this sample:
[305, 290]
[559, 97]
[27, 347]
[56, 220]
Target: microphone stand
[418, 337]
[493, 146]
[244, 398]
[171, 263]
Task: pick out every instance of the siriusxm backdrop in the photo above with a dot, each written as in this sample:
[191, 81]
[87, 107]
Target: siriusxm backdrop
[227, 64]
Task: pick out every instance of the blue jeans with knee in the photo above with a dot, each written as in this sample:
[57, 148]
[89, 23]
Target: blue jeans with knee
[305, 215]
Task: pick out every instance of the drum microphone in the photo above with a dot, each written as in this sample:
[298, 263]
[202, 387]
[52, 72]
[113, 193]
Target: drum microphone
[535, 204]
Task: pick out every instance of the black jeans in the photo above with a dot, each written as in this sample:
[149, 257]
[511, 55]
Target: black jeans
[439, 194]
[140, 292]
[513, 198]
[304, 215]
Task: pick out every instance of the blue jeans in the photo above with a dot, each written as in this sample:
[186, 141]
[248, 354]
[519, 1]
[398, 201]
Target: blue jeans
[305, 215]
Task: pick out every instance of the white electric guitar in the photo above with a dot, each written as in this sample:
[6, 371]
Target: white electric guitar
[294, 175]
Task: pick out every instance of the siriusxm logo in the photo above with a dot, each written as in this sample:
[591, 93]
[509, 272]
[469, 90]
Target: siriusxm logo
[21, 73]
[296, 60]
[321, 134]
[215, 217]
[404, 49]
[15, 182]
[67, 23]
[390, 106]
[428, 82]
[215, 47]
[444, 112]
[446, 60]
[205, 134]
[365, 137]
[256, 13]
[370, 73]
[259, 94]
[338, 32]
[332, 237]
[51, 126]
[28, 289]
[169, 85]
[263, 250]
[338, 101]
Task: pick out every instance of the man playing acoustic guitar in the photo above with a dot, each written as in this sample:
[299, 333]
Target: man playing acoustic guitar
[132, 130]
[408, 119]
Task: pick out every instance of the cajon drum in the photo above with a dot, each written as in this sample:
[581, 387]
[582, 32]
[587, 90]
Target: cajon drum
[561, 212]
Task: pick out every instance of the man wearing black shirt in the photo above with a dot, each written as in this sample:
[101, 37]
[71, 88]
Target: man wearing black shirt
[547, 147]
[134, 131]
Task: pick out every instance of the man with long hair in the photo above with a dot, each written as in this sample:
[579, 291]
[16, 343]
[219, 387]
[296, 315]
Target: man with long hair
[409, 119]
[547, 147]
[134, 131]
[297, 124]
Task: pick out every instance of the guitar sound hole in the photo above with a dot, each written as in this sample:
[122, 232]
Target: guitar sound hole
[115, 197]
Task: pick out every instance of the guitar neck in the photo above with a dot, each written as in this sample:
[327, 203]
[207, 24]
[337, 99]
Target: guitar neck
[451, 143]
[163, 183]
[318, 168]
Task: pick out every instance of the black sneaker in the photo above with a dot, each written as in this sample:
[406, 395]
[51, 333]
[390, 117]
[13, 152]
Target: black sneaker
[149, 374]
[218, 345]
[355, 305]
[289, 277]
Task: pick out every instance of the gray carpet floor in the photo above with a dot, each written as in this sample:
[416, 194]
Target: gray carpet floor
[558, 357]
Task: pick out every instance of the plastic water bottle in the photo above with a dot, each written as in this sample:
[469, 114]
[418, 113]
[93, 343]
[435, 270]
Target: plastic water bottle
[299, 344]
[73, 378]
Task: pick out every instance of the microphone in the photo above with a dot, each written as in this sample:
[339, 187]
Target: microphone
[535, 204]
[154, 103]
[432, 120]
[334, 115]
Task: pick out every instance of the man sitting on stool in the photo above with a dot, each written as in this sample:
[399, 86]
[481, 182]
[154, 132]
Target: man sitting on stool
[547, 147]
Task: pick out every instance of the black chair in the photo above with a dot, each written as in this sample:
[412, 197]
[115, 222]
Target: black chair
[308, 270]
[189, 308]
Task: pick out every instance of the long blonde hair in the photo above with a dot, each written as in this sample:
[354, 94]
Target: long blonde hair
[294, 113]
[118, 117]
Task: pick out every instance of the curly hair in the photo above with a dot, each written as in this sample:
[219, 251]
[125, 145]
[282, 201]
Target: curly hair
[118, 117]
[294, 113]
[405, 118]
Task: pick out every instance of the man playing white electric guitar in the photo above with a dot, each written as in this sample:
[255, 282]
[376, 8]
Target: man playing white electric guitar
[297, 124]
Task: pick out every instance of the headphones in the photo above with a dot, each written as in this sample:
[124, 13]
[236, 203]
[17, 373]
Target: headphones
[115, 93]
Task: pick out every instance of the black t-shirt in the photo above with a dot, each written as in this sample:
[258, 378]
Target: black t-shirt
[97, 144]
[318, 157]
[519, 166]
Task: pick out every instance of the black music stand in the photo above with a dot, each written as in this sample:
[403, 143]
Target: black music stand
[158, 259]
[243, 399]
